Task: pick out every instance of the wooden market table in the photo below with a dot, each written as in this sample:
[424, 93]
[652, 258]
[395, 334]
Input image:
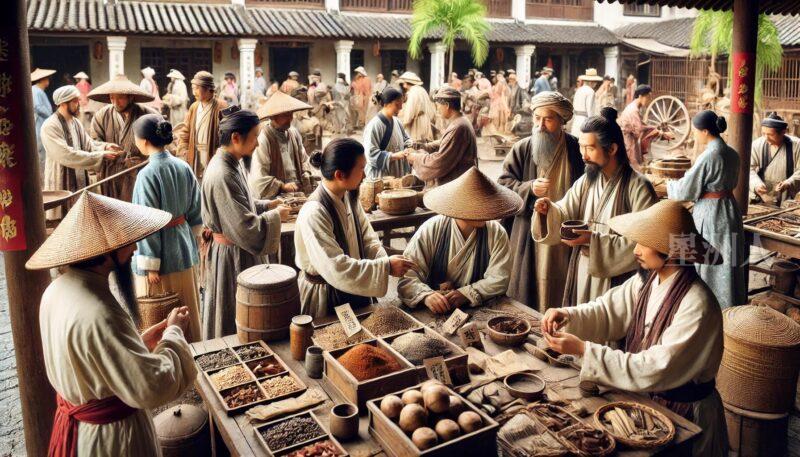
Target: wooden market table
[380, 221]
[786, 245]
[562, 383]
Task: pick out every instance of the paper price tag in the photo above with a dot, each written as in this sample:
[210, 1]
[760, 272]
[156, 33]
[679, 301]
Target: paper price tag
[348, 319]
[455, 321]
[470, 336]
[437, 369]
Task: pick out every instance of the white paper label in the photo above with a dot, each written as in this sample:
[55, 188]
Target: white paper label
[348, 319]
[437, 369]
[455, 321]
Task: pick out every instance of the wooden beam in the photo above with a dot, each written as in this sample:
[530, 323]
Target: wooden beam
[25, 287]
[745, 32]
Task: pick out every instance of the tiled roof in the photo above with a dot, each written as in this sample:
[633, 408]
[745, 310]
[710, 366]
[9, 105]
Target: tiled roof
[678, 32]
[764, 6]
[182, 19]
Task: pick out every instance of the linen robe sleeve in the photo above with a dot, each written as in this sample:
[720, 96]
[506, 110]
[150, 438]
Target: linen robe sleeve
[366, 277]
[67, 156]
[139, 378]
[611, 254]
[407, 140]
[148, 250]
[755, 166]
[547, 229]
[607, 317]
[411, 288]
[194, 214]
[513, 177]
[498, 274]
[434, 165]
[377, 159]
[794, 180]
[259, 232]
[261, 183]
[42, 106]
[692, 186]
[373, 248]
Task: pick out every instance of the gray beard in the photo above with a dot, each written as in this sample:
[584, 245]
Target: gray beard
[122, 280]
[544, 146]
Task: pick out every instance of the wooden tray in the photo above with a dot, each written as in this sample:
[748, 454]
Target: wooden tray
[456, 362]
[233, 362]
[287, 450]
[396, 443]
[316, 342]
[358, 392]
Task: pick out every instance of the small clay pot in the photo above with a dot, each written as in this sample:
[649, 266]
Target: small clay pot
[314, 362]
[344, 421]
[568, 227]
[524, 385]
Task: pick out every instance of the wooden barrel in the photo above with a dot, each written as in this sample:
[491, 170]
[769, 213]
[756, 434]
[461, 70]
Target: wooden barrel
[266, 300]
[752, 434]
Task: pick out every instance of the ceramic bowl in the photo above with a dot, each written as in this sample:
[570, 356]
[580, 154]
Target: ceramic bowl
[525, 386]
[505, 338]
[568, 227]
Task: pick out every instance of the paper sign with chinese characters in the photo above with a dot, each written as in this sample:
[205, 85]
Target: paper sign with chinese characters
[12, 149]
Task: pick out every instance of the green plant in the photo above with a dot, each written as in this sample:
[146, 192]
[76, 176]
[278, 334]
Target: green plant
[465, 19]
[713, 36]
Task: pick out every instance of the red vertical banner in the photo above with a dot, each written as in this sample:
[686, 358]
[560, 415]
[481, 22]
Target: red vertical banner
[743, 82]
[12, 147]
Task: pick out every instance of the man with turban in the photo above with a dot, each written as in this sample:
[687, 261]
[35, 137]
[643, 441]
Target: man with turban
[71, 152]
[198, 142]
[774, 171]
[545, 164]
[418, 112]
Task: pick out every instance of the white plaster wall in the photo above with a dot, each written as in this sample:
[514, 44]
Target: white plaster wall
[322, 55]
[610, 15]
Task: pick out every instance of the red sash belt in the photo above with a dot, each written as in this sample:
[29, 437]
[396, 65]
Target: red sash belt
[176, 221]
[219, 238]
[717, 195]
[64, 438]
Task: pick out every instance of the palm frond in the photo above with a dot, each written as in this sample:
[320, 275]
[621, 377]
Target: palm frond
[452, 19]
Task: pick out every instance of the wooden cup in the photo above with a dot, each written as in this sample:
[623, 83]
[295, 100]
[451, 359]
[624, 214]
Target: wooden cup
[344, 421]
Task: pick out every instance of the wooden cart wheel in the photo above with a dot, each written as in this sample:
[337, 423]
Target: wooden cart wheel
[668, 114]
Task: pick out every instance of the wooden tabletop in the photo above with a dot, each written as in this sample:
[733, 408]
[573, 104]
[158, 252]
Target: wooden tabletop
[562, 383]
[381, 221]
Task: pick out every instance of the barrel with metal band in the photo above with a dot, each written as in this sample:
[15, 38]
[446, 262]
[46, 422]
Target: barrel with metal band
[267, 297]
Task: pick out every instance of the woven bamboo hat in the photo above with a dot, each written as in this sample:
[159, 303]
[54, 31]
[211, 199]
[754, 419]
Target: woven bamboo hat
[410, 77]
[96, 225]
[473, 197]
[590, 75]
[119, 85]
[668, 228]
[280, 103]
[41, 73]
[81, 75]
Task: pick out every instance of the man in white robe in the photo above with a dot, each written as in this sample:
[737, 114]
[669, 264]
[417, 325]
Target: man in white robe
[418, 111]
[584, 100]
[774, 162]
[177, 97]
[670, 321]
[600, 258]
[462, 254]
[107, 376]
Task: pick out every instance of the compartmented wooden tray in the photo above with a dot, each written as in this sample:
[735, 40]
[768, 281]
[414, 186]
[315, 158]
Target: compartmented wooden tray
[396, 443]
[456, 361]
[325, 435]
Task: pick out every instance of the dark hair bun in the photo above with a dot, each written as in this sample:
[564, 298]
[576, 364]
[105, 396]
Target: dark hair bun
[315, 159]
[164, 132]
[722, 124]
[609, 114]
[377, 99]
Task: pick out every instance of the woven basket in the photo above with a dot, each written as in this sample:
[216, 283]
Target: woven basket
[635, 444]
[155, 307]
[761, 359]
[368, 193]
[398, 201]
[569, 431]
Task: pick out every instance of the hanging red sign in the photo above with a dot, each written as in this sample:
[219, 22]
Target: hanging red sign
[743, 82]
[12, 149]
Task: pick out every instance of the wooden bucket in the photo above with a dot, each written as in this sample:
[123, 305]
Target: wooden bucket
[266, 300]
[753, 434]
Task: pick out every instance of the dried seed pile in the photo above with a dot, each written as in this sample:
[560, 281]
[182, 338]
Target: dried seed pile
[251, 352]
[243, 395]
[387, 320]
[279, 385]
[216, 360]
[324, 448]
[416, 347]
[510, 325]
[368, 362]
[332, 337]
[265, 367]
[229, 377]
[295, 430]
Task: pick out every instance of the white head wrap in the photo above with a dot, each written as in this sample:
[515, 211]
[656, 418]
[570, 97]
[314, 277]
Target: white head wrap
[64, 94]
[554, 101]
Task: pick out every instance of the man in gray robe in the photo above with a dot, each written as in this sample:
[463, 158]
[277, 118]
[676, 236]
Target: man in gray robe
[519, 104]
[774, 167]
[545, 164]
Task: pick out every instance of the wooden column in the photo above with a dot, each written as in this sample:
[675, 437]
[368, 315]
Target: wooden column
[25, 287]
[743, 72]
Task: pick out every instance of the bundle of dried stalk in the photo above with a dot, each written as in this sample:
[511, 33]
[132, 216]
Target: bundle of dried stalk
[635, 425]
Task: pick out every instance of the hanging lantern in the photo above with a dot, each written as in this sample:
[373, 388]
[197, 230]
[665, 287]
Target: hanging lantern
[217, 52]
[376, 49]
[97, 50]
[259, 59]
[499, 55]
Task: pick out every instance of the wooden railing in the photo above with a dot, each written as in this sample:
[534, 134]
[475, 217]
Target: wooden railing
[577, 10]
[498, 8]
[288, 3]
[387, 6]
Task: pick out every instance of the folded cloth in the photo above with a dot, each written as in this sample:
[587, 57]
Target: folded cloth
[262, 413]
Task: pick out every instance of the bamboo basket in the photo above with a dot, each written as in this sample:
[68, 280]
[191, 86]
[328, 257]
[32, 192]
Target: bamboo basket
[636, 444]
[155, 307]
[398, 201]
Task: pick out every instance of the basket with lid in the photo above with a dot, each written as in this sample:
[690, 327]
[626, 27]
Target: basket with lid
[761, 359]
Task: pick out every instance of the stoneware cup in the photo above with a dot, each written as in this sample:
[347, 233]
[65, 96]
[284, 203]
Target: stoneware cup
[344, 421]
[314, 362]
[567, 228]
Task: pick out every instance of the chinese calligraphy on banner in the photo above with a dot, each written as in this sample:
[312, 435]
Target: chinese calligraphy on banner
[742, 90]
[12, 147]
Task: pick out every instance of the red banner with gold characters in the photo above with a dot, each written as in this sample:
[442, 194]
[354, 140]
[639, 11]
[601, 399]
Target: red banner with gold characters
[12, 147]
[742, 90]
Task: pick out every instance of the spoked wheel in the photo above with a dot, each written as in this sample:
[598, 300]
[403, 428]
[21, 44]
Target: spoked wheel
[668, 114]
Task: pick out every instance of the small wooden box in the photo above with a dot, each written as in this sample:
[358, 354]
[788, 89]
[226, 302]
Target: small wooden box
[287, 450]
[396, 443]
[316, 341]
[358, 392]
[456, 362]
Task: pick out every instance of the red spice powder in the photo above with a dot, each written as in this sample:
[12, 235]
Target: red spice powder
[367, 362]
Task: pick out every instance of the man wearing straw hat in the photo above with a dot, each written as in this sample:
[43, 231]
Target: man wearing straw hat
[198, 143]
[71, 152]
[42, 109]
[291, 82]
[418, 112]
[775, 161]
[362, 92]
[114, 124]
[452, 155]
[584, 99]
[546, 164]
[106, 375]
[668, 318]
[177, 97]
[462, 253]
[280, 163]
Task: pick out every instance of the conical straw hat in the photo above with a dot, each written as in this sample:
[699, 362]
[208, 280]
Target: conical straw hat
[668, 228]
[279, 103]
[41, 73]
[95, 226]
[473, 197]
[81, 75]
[119, 85]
